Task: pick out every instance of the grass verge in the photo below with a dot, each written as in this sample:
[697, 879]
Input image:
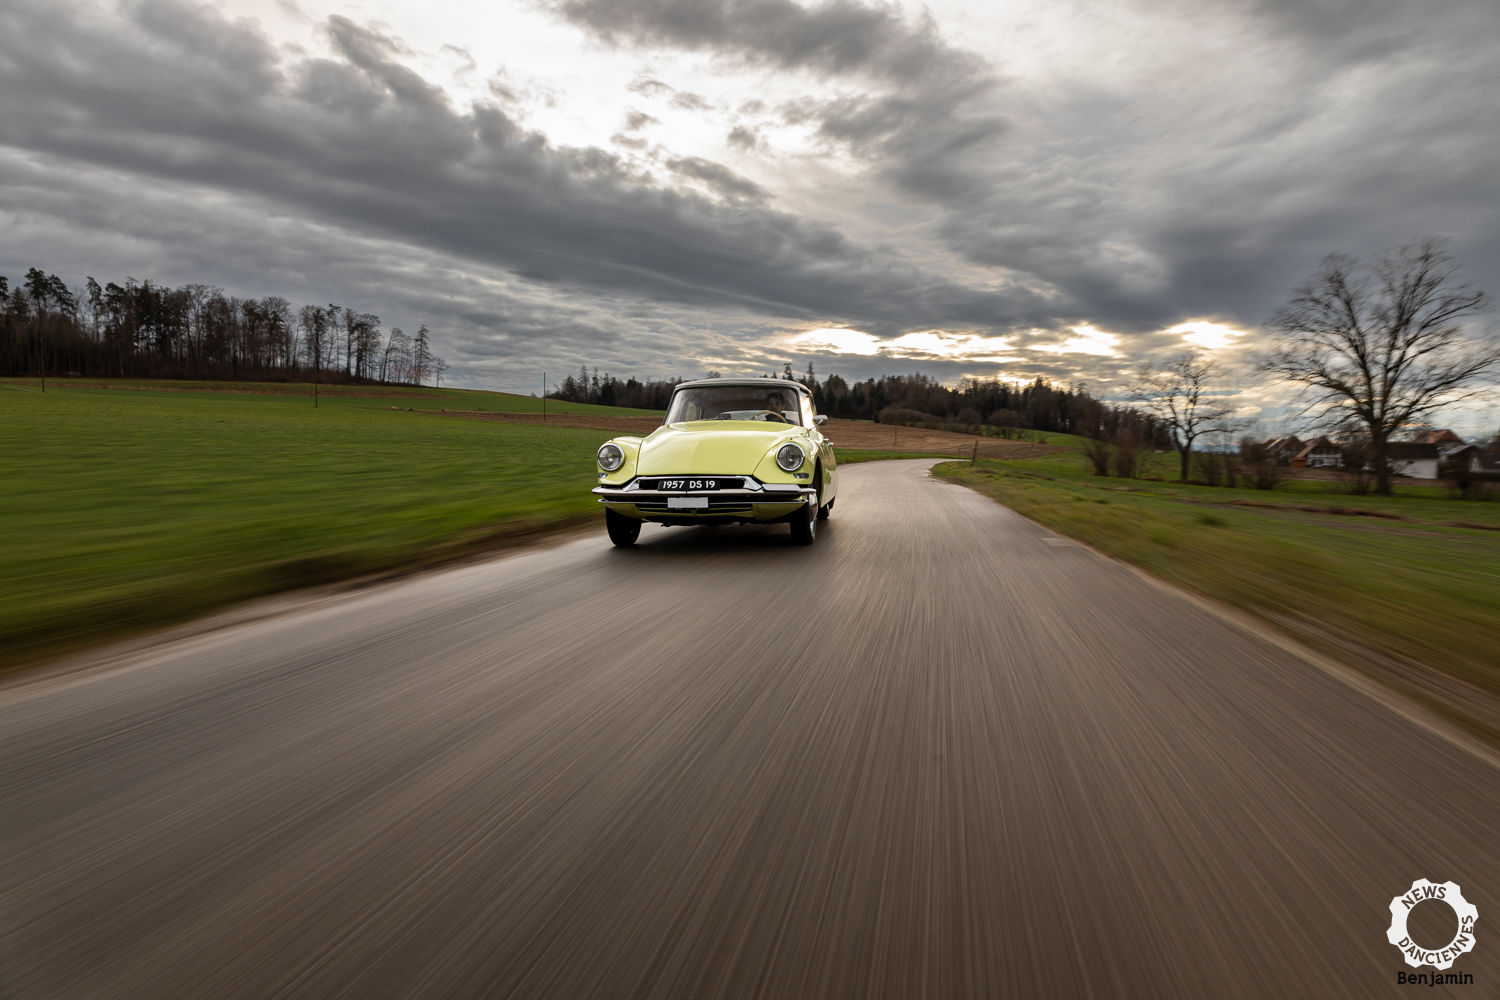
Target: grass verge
[405, 397]
[124, 511]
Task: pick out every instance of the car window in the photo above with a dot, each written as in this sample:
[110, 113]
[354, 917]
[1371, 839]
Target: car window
[770, 403]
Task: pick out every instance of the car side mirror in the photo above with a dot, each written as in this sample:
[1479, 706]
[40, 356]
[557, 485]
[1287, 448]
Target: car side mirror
[820, 419]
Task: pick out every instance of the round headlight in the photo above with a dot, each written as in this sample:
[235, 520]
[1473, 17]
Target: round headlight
[611, 457]
[790, 456]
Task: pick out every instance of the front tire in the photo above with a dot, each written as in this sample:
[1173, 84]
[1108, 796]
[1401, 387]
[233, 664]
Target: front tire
[805, 527]
[623, 531]
[825, 510]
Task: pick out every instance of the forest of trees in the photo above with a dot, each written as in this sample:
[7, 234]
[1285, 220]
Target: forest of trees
[652, 394]
[143, 329]
[1039, 405]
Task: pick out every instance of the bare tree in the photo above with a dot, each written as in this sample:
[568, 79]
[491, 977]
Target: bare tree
[1264, 468]
[1131, 448]
[1382, 346]
[1179, 393]
[395, 361]
[1096, 450]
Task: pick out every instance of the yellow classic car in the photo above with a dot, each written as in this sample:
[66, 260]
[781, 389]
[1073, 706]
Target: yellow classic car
[730, 451]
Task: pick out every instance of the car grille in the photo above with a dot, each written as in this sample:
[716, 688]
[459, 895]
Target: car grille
[716, 505]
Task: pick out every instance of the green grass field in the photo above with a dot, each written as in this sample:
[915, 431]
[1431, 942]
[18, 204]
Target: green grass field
[124, 510]
[127, 508]
[357, 396]
[1416, 574]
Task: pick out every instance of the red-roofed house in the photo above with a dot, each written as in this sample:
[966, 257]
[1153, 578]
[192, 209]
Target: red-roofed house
[1319, 454]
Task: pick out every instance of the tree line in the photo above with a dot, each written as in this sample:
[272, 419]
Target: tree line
[1008, 407]
[1375, 348]
[652, 394]
[140, 328]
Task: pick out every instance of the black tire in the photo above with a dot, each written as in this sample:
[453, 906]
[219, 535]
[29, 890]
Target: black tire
[623, 531]
[805, 527]
[825, 510]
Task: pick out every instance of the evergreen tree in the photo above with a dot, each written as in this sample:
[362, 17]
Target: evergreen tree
[421, 356]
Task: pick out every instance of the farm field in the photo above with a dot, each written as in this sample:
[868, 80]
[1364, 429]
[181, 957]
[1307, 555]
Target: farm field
[1381, 583]
[333, 395]
[126, 510]
[135, 504]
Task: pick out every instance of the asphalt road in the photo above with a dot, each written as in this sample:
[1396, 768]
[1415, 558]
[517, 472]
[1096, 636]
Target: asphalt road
[940, 753]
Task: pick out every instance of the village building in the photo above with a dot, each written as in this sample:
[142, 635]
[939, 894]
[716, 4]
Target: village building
[1419, 460]
[1284, 449]
[1319, 454]
[1485, 461]
[1443, 438]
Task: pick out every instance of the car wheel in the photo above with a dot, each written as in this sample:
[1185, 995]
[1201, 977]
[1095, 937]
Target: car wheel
[825, 510]
[805, 528]
[623, 531]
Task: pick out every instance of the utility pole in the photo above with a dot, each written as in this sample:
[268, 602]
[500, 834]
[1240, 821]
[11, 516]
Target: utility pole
[544, 395]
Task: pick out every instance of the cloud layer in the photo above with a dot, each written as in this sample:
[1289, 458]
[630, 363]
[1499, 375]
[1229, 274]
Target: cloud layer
[936, 200]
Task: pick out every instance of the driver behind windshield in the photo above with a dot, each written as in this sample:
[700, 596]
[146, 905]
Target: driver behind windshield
[734, 402]
[774, 405]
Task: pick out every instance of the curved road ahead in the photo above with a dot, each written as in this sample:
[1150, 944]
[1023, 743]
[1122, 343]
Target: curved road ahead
[941, 753]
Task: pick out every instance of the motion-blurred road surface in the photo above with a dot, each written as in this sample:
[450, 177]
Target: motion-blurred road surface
[941, 753]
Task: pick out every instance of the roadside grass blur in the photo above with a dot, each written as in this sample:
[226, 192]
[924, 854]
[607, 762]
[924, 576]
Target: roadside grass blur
[1316, 562]
[334, 395]
[126, 510]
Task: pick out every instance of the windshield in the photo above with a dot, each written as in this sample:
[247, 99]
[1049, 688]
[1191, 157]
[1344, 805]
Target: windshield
[769, 402]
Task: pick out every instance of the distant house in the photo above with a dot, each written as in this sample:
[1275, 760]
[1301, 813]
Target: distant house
[1319, 454]
[1284, 449]
[1443, 439]
[1459, 457]
[1485, 460]
[1416, 459]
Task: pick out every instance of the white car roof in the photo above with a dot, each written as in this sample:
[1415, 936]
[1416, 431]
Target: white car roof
[759, 383]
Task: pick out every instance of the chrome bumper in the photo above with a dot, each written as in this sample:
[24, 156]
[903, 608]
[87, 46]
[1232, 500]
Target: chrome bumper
[752, 499]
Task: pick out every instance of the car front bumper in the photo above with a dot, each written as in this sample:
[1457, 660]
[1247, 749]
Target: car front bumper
[756, 503]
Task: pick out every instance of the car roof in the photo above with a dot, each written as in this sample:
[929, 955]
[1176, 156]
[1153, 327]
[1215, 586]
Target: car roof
[757, 382]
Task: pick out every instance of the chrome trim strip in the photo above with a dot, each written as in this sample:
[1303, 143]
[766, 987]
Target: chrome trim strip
[749, 485]
[767, 496]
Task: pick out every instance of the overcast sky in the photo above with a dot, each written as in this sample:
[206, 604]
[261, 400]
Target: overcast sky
[662, 187]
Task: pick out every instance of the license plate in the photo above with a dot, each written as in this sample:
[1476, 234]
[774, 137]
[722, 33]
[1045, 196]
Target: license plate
[685, 485]
[687, 503]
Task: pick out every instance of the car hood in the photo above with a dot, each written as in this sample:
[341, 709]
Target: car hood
[710, 447]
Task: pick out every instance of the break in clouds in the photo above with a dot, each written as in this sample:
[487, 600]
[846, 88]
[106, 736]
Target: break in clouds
[944, 189]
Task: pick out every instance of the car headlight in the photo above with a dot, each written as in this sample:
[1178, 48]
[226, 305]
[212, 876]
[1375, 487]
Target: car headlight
[790, 456]
[611, 457]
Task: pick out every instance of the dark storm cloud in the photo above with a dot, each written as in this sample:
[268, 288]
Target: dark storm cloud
[928, 136]
[719, 178]
[1356, 125]
[175, 93]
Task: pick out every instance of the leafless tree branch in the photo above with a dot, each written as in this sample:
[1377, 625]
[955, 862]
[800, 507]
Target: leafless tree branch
[1382, 346]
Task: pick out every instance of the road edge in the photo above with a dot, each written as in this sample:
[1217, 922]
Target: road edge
[1391, 698]
[122, 651]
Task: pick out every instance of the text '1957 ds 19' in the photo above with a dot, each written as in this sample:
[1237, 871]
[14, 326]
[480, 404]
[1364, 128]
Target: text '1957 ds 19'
[730, 451]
